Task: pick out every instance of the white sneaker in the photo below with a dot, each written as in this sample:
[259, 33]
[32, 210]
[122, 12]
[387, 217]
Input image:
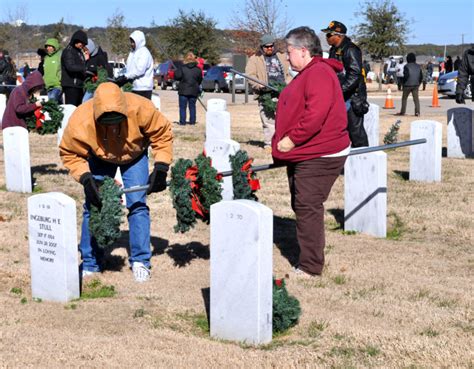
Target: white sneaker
[87, 273]
[140, 272]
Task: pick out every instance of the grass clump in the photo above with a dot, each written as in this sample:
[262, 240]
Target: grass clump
[316, 328]
[96, 290]
[339, 279]
[396, 227]
[429, 332]
[16, 291]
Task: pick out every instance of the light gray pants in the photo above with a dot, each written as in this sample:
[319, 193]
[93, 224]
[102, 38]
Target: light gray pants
[268, 125]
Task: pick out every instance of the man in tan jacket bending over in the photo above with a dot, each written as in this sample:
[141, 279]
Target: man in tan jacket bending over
[114, 129]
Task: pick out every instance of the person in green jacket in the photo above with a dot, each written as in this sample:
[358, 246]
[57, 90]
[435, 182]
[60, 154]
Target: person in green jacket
[52, 70]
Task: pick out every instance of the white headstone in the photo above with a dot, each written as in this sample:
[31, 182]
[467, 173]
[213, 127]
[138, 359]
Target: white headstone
[118, 178]
[219, 151]
[460, 132]
[371, 124]
[3, 105]
[68, 109]
[241, 271]
[53, 247]
[16, 153]
[365, 194]
[425, 159]
[217, 125]
[216, 105]
[156, 101]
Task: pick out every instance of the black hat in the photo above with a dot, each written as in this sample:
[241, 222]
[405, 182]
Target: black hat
[336, 27]
[111, 118]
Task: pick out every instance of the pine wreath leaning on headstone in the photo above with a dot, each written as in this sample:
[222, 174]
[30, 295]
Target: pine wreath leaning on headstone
[181, 192]
[47, 119]
[244, 179]
[286, 308]
[392, 135]
[104, 223]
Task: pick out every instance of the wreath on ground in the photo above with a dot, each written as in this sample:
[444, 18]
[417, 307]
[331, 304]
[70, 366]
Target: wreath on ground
[269, 98]
[104, 223]
[286, 308]
[47, 119]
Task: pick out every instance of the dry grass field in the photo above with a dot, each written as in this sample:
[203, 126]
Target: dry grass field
[401, 302]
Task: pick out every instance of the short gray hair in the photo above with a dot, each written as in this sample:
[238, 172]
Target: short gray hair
[304, 37]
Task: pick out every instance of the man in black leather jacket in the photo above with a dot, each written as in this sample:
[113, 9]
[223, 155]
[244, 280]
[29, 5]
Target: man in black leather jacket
[466, 69]
[352, 80]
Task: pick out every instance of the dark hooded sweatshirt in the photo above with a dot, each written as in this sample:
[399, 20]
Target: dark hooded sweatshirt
[19, 106]
[312, 113]
[73, 62]
[190, 77]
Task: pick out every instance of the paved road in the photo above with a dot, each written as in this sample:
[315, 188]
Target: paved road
[379, 99]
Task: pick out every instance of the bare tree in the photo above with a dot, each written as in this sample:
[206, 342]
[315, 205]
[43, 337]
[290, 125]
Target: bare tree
[118, 35]
[258, 17]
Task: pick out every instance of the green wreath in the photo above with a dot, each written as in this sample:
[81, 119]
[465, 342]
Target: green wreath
[104, 223]
[269, 98]
[91, 83]
[286, 308]
[39, 124]
[194, 188]
[244, 180]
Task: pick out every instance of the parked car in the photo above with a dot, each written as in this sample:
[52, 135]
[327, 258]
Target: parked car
[164, 74]
[215, 79]
[118, 68]
[447, 85]
[239, 82]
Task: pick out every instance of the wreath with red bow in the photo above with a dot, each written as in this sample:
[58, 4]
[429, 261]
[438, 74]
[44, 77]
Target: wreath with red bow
[47, 119]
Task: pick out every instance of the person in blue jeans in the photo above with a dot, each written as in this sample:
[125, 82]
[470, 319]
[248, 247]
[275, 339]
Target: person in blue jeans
[114, 130]
[190, 78]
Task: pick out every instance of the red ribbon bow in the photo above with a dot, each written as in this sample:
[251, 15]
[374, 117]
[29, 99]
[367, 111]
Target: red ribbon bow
[253, 183]
[39, 118]
[191, 174]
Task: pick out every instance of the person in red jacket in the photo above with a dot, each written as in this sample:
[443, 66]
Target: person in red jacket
[19, 106]
[311, 138]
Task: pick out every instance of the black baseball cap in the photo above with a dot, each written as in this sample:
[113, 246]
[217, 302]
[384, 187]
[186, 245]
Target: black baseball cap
[336, 27]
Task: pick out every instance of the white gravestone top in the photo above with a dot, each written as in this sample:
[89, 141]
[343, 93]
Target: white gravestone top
[16, 154]
[216, 105]
[3, 105]
[217, 125]
[53, 247]
[241, 271]
[365, 193]
[371, 124]
[460, 132]
[68, 109]
[156, 101]
[219, 152]
[425, 159]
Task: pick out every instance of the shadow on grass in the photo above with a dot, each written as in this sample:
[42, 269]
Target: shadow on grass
[284, 237]
[47, 169]
[260, 144]
[206, 298]
[182, 255]
[444, 152]
[403, 174]
[338, 215]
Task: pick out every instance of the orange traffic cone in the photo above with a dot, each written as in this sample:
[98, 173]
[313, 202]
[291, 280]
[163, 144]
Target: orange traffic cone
[389, 100]
[435, 101]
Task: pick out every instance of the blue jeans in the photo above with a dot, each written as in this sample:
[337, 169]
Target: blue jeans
[133, 174]
[87, 96]
[184, 101]
[56, 94]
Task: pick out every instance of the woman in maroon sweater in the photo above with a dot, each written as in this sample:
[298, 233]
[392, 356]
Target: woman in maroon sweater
[311, 138]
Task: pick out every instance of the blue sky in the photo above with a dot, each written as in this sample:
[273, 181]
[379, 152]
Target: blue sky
[436, 21]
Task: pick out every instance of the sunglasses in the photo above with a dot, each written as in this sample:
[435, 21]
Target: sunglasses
[268, 46]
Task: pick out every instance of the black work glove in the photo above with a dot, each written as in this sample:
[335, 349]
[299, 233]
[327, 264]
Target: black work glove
[157, 178]
[460, 98]
[121, 80]
[91, 190]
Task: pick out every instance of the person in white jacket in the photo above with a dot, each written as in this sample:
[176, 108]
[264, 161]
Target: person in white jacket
[139, 66]
[399, 73]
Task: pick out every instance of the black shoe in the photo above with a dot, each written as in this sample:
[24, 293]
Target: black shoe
[417, 114]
